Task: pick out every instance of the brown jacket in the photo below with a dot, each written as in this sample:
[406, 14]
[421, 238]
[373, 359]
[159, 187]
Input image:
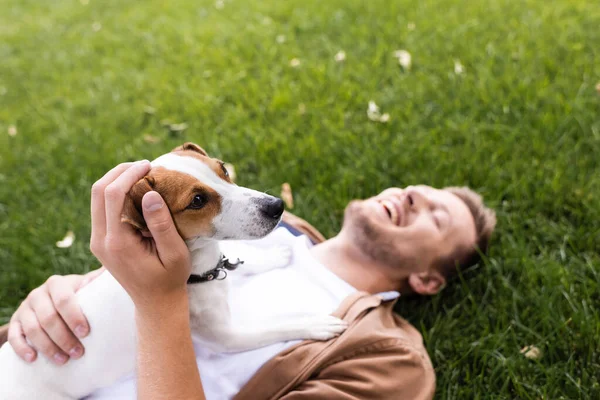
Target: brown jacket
[380, 356]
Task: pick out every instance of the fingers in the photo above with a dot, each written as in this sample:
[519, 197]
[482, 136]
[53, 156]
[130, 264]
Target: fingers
[171, 247]
[115, 192]
[97, 207]
[62, 295]
[39, 323]
[40, 339]
[16, 338]
[54, 330]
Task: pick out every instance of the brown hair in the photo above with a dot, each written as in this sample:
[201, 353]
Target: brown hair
[485, 222]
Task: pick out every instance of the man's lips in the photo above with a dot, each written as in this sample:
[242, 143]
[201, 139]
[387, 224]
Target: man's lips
[393, 210]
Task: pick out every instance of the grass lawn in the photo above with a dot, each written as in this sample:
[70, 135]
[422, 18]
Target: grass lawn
[85, 85]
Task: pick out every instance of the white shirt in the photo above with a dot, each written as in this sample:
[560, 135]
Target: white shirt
[304, 287]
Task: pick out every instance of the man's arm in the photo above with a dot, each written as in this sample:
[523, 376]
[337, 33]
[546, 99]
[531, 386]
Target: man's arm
[154, 272]
[166, 365]
[383, 370]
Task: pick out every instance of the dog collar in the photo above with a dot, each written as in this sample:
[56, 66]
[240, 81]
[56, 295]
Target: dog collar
[217, 273]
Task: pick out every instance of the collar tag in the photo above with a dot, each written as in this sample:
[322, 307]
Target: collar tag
[217, 273]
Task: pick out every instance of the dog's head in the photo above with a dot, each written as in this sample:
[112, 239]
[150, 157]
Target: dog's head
[203, 200]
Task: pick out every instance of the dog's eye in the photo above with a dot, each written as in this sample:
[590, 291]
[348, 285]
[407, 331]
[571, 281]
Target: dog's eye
[224, 169]
[198, 202]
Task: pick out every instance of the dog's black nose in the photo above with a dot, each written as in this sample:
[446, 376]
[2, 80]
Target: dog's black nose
[272, 208]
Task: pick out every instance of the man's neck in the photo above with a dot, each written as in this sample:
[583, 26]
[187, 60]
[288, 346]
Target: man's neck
[346, 261]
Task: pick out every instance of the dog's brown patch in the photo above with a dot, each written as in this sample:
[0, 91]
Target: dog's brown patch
[178, 190]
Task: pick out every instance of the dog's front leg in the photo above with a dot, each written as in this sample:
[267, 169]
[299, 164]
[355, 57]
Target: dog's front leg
[231, 339]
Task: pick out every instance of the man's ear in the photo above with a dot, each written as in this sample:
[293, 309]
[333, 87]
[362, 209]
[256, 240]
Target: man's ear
[427, 283]
[132, 209]
[191, 146]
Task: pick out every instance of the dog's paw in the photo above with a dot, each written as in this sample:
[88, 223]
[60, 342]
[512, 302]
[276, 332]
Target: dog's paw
[264, 260]
[324, 327]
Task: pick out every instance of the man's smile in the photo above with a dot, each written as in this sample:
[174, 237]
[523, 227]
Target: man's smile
[393, 211]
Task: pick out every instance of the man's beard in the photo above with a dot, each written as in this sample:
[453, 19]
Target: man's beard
[373, 238]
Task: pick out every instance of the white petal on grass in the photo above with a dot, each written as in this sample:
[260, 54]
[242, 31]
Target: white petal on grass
[149, 110]
[459, 69]
[12, 131]
[220, 4]
[67, 240]
[404, 58]
[374, 113]
[231, 170]
[294, 62]
[531, 352]
[373, 107]
[598, 87]
[151, 139]
[340, 56]
[411, 26]
[96, 26]
[280, 39]
[287, 196]
[178, 127]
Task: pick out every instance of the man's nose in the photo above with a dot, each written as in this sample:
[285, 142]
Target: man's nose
[416, 200]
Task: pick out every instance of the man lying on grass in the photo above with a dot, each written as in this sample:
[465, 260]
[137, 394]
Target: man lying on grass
[402, 240]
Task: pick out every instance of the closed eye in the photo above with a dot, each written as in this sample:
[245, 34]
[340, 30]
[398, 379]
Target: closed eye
[441, 218]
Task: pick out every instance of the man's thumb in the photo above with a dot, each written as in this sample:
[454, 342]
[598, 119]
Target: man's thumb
[160, 223]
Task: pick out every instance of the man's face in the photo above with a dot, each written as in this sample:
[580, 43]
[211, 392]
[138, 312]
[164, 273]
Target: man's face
[411, 228]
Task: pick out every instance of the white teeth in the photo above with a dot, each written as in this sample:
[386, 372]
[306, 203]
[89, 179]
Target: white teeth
[394, 217]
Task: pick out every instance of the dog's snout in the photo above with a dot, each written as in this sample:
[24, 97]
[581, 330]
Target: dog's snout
[272, 208]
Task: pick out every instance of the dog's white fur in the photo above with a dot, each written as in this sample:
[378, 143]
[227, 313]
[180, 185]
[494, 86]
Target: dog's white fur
[110, 348]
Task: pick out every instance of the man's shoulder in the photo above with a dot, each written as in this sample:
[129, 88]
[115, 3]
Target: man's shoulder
[378, 347]
[381, 328]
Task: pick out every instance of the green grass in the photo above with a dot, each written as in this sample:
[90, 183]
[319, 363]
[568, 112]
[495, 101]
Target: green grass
[521, 125]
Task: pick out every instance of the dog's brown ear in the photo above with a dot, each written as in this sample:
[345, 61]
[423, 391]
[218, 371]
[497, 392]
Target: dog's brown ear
[191, 146]
[132, 209]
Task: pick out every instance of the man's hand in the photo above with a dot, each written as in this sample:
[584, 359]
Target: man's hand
[153, 271]
[51, 320]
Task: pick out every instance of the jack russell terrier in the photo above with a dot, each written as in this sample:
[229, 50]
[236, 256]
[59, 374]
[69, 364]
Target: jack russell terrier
[207, 208]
